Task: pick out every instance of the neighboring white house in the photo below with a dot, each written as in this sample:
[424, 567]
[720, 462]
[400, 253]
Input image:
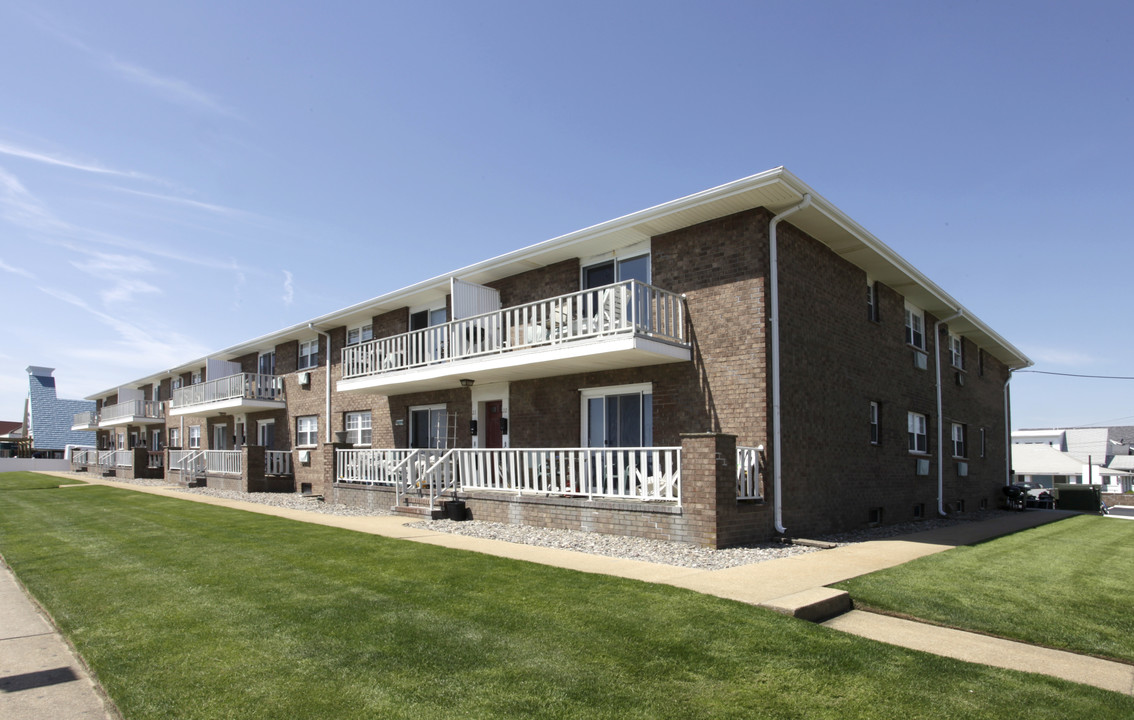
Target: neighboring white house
[1046, 465]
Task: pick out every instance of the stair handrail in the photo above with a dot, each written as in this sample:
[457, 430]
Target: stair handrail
[450, 480]
[402, 482]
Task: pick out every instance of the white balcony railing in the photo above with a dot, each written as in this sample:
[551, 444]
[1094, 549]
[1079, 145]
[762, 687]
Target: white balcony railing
[628, 473]
[106, 458]
[242, 386]
[627, 308]
[85, 419]
[277, 462]
[133, 409]
[223, 462]
[748, 473]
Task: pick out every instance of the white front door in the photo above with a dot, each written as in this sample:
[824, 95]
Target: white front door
[220, 437]
[266, 433]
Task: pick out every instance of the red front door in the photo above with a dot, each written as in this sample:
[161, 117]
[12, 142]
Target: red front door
[493, 411]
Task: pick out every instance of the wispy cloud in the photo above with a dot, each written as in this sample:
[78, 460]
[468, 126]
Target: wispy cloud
[168, 88]
[1061, 356]
[196, 204]
[289, 288]
[16, 270]
[60, 161]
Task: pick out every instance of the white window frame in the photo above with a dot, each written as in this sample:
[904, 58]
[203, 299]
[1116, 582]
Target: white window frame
[431, 441]
[632, 252]
[155, 439]
[587, 394]
[197, 377]
[271, 363]
[875, 423]
[176, 383]
[917, 427]
[362, 333]
[358, 427]
[956, 351]
[306, 430]
[194, 437]
[155, 393]
[175, 437]
[310, 357]
[260, 425]
[915, 326]
[960, 449]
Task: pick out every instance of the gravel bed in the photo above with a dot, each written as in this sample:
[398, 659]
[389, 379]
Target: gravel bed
[630, 548]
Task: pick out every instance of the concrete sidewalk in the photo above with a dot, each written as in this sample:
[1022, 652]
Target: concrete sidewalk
[795, 585]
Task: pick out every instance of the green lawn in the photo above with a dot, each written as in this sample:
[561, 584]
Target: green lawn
[1066, 585]
[185, 610]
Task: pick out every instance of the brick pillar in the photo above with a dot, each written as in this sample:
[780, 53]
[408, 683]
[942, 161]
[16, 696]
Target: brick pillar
[714, 517]
[252, 468]
[328, 450]
[140, 463]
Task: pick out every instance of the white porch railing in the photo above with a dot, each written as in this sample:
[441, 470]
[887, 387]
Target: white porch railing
[187, 460]
[629, 473]
[85, 419]
[223, 462]
[748, 473]
[627, 308]
[247, 386]
[123, 458]
[132, 408]
[156, 459]
[106, 458]
[277, 462]
[85, 457]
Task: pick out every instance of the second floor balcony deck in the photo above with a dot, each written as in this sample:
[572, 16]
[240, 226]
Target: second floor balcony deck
[247, 391]
[627, 324]
[85, 421]
[132, 412]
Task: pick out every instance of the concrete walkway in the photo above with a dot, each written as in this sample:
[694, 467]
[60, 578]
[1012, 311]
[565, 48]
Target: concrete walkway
[794, 585]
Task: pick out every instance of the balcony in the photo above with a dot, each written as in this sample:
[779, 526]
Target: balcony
[85, 421]
[243, 391]
[628, 324]
[132, 412]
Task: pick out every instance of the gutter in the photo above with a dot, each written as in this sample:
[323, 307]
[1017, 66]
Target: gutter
[774, 323]
[1007, 435]
[941, 412]
[327, 401]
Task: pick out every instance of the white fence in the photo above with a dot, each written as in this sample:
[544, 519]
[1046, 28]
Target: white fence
[277, 462]
[85, 419]
[187, 461]
[248, 386]
[223, 462]
[631, 307]
[631, 473]
[748, 486]
[132, 408]
[123, 458]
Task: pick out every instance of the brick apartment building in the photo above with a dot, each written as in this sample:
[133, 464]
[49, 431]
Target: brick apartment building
[734, 364]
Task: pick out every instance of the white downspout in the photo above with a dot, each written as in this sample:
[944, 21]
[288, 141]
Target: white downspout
[941, 413]
[327, 402]
[1007, 435]
[774, 323]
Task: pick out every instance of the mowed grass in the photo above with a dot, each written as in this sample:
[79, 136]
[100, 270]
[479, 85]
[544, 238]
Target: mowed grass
[185, 610]
[1066, 585]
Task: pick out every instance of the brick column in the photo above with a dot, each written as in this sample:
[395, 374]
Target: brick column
[714, 517]
[252, 468]
[140, 463]
[328, 450]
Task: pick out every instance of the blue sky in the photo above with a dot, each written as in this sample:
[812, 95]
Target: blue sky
[179, 177]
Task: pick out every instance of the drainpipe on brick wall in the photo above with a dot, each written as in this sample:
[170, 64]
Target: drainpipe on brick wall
[774, 322]
[1007, 435]
[327, 402]
[941, 413]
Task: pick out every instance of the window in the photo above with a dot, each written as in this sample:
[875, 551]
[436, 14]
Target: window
[429, 427]
[196, 378]
[156, 393]
[618, 416]
[918, 433]
[359, 334]
[915, 327]
[872, 301]
[956, 351]
[358, 427]
[307, 430]
[155, 440]
[194, 436]
[875, 428]
[308, 354]
[175, 437]
[421, 319]
[620, 270]
[983, 447]
[176, 383]
[980, 362]
[959, 449]
[267, 363]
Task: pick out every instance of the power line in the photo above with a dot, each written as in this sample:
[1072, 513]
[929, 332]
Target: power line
[1097, 377]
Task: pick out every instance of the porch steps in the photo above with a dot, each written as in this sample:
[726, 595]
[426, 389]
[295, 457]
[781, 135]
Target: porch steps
[418, 507]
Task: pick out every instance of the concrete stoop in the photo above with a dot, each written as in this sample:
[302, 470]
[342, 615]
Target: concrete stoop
[418, 507]
[816, 605]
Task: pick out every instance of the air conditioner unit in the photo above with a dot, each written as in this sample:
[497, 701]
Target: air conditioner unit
[922, 467]
[920, 360]
[962, 469]
[304, 456]
[304, 378]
